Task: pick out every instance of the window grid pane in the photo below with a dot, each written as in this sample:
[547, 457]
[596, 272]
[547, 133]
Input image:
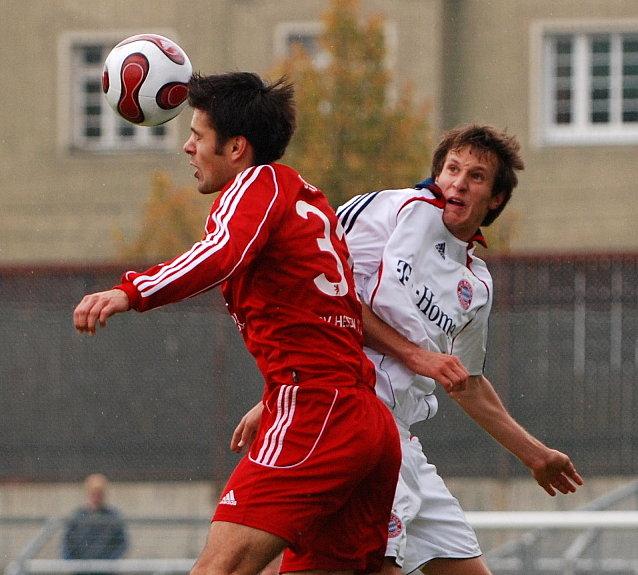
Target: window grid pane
[590, 90]
[92, 54]
[563, 81]
[159, 131]
[630, 79]
[308, 42]
[92, 106]
[600, 75]
[126, 130]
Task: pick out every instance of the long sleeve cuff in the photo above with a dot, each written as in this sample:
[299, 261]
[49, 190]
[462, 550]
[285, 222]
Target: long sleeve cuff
[131, 291]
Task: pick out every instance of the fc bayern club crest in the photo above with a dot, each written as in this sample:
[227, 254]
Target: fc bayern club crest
[395, 527]
[464, 293]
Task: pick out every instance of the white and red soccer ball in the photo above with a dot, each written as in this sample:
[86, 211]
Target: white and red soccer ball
[145, 79]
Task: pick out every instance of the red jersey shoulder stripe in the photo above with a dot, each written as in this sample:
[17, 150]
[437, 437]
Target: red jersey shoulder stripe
[149, 284]
[215, 240]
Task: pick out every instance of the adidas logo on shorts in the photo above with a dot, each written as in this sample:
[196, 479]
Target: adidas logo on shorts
[228, 499]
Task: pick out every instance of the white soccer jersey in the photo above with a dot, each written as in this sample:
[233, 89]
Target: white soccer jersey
[421, 280]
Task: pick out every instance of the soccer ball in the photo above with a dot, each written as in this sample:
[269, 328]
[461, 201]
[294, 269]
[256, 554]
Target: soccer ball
[145, 79]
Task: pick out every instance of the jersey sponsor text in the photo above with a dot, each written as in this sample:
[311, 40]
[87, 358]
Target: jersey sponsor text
[343, 321]
[423, 298]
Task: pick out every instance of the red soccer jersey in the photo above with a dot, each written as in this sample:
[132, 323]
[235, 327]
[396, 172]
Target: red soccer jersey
[275, 246]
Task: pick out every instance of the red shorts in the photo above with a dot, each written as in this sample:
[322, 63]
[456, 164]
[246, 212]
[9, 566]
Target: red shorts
[321, 475]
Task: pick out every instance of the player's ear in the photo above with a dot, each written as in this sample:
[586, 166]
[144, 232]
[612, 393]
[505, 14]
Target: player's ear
[239, 147]
[496, 201]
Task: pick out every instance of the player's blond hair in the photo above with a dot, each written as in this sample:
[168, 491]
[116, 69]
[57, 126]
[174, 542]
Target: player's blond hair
[485, 139]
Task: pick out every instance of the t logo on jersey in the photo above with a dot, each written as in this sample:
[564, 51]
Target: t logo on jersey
[403, 271]
[441, 249]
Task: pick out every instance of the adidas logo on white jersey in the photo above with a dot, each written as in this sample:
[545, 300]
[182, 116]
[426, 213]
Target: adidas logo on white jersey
[441, 249]
[228, 499]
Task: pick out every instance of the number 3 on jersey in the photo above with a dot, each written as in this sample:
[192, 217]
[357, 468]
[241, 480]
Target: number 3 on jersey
[340, 288]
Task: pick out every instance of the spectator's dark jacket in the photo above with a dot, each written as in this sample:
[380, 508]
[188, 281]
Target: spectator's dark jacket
[94, 534]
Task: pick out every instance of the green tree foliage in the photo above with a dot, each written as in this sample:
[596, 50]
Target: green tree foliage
[356, 131]
[173, 220]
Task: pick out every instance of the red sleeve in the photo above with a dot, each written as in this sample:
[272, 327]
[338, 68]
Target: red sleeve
[240, 223]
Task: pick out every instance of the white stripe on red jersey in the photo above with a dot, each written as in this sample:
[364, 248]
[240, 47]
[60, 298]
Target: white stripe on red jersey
[213, 242]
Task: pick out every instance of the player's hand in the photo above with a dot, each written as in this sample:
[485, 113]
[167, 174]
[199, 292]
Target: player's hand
[246, 431]
[445, 369]
[97, 308]
[556, 472]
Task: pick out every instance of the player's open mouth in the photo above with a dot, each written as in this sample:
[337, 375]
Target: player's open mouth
[455, 202]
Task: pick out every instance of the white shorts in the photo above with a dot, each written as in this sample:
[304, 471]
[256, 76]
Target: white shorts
[427, 521]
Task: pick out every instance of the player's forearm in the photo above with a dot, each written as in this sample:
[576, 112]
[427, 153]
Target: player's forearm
[481, 402]
[383, 338]
[191, 273]
[446, 369]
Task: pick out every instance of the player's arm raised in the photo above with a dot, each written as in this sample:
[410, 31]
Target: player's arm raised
[233, 240]
[552, 469]
[97, 308]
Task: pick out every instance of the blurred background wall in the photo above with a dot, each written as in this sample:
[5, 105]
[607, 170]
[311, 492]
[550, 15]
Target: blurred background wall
[560, 75]
[152, 401]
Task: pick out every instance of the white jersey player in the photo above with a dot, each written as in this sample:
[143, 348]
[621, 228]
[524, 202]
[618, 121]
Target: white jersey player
[430, 296]
[424, 282]
[415, 268]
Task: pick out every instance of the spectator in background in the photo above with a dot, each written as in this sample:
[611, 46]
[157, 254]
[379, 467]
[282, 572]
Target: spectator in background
[96, 530]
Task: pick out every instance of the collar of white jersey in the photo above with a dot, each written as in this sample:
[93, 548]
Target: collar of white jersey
[431, 185]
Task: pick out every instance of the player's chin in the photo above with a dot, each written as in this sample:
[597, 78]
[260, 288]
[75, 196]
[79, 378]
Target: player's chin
[453, 219]
[202, 188]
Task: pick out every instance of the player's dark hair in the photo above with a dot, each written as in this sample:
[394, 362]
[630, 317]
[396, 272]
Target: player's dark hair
[484, 139]
[241, 104]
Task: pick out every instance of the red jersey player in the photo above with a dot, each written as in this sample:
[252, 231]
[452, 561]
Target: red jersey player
[320, 477]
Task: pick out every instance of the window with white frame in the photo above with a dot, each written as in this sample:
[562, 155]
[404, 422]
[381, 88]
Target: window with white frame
[590, 87]
[304, 35]
[91, 124]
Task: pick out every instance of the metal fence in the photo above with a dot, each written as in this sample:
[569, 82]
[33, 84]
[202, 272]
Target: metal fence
[153, 396]
[157, 395]
[158, 545]
[600, 538]
[563, 355]
[597, 539]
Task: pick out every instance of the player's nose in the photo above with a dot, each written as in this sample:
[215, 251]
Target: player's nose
[460, 182]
